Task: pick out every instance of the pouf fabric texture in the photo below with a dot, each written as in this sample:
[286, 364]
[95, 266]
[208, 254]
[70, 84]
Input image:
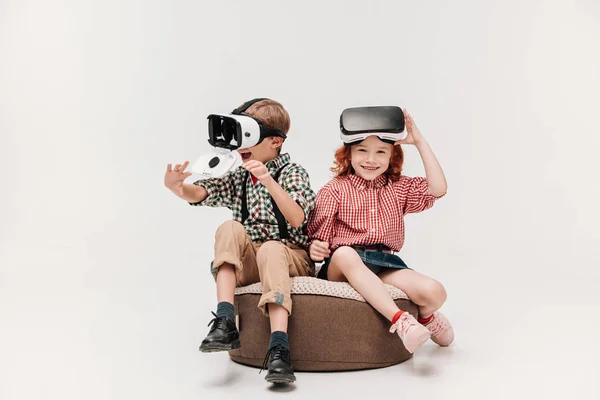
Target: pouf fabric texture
[331, 328]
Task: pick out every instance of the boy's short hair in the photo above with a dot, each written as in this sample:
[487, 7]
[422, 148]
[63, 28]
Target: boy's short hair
[272, 114]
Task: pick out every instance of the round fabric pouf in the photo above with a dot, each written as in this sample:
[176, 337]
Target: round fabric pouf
[331, 328]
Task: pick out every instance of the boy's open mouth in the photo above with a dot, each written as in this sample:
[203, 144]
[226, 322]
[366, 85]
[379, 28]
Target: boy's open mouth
[246, 155]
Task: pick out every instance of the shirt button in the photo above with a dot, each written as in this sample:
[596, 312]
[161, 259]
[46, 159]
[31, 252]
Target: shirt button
[373, 229]
[372, 210]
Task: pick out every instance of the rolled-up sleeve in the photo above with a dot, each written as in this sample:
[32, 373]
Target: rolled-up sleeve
[321, 221]
[296, 183]
[221, 191]
[413, 194]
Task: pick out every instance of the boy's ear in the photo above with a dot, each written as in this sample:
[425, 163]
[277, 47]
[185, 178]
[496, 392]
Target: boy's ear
[276, 142]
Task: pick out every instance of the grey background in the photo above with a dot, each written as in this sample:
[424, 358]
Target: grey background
[105, 290]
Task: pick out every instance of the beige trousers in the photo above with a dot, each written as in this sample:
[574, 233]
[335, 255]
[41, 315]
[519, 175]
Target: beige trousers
[271, 262]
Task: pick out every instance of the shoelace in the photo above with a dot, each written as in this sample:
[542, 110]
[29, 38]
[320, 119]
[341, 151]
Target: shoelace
[401, 325]
[277, 352]
[217, 322]
[436, 326]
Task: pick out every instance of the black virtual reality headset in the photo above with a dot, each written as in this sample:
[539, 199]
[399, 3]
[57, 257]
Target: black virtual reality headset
[238, 130]
[385, 122]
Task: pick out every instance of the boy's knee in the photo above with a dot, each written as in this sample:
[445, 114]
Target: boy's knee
[231, 227]
[270, 249]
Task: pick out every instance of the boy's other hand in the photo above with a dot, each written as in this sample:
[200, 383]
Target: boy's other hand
[174, 177]
[258, 169]
[319, 250]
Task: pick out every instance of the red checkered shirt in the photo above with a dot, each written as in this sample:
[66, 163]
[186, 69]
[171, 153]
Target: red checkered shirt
[353, 211]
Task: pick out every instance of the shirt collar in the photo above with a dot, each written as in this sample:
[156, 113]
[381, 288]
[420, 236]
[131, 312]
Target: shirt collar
[275, 164]
[361, 183]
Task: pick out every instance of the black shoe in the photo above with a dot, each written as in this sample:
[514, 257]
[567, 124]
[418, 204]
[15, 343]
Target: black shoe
[223, 336]
[279, 364]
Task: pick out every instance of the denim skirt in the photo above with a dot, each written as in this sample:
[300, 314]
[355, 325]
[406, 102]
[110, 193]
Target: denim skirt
[376, 261]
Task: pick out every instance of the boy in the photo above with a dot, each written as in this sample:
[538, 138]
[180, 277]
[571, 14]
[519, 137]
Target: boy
[266, 241]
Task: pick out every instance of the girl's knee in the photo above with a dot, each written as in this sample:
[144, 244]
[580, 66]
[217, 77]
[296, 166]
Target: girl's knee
[435, 293]
[345, 255]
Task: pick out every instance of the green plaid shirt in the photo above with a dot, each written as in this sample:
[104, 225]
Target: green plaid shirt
[261, 223]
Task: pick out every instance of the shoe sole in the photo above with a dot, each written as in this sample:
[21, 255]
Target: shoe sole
[280, 378]
[418, 342]
[443, 343]
[216, 347]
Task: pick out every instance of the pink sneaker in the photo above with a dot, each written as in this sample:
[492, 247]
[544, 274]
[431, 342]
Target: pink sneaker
[412, 333]
[441, 330]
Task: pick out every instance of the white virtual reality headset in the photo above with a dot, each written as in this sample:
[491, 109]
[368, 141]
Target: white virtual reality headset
[385, 122]
[227, 133]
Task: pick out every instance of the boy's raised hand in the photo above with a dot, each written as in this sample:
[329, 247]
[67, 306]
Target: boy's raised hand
[174, 177]
[319, 250]
[257, 169]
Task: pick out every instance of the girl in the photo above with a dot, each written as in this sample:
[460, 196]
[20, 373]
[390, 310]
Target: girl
[358, 222]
